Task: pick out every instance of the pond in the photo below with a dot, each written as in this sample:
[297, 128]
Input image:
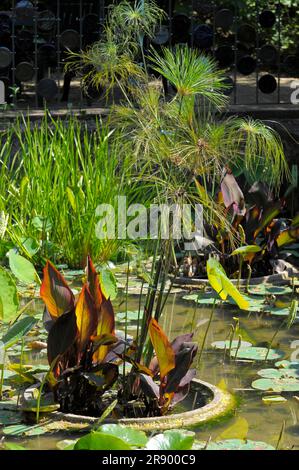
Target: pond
[264, 421]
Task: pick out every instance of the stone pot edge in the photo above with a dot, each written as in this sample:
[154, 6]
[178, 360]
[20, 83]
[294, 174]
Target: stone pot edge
[222, 403]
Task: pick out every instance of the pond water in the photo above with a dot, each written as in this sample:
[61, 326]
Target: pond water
[264, 421]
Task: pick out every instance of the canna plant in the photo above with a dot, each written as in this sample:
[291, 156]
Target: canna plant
[171, 366]
[85, 353]
[80, 331]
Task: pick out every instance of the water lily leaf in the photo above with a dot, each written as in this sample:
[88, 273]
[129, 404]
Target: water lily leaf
[17, 331]
[23, 430]
[268, 289]
[132, 315]
[287, 364]
[239, 429]
[235, 444]
[256, 354]
[13, 446]
[22, 268]
[101, 441]
[108, 284]
[227, 344]
[280, 373]
[32, 406]
[9, 302]
[172, 440]
[286, 384]
[279, 312]
[66, 444]
[273, 399]
[9, 417]
[131, 436]
[203, 299]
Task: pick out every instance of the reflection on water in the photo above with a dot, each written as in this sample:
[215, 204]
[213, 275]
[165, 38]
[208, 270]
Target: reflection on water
[264, 421]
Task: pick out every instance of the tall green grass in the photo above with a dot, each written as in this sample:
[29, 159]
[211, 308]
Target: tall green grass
[53, 175]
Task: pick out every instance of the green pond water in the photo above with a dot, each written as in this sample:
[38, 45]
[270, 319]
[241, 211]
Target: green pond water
[264, 421]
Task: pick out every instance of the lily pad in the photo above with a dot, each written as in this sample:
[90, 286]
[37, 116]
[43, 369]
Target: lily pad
[279, 373]
[131, 436]
[256, 354]
[23, 430]
[9, 417]
[287, 364]
[172, 440]
[101, 441]
[202, 299]
[132, 315]
[233, 345]
[234, 444]
[280, 384]
[268, 289]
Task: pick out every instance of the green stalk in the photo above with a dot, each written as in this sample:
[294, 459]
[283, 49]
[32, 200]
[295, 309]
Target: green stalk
[206, 333]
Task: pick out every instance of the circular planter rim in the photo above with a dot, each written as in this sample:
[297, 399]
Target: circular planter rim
[221, 404]
[279, 278]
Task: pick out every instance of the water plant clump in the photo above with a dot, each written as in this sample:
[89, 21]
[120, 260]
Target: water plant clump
[86, 354]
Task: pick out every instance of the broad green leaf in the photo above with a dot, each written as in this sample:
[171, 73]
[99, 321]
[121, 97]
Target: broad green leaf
[245, 250]
[231, 290]
[22, 268]
[101, 441]
[9, 302]
[163, 349]
[172, 440]
[213, 269]
[17, 331]
[131, 436]
[42, 224]
[31, 246]
[108, 284]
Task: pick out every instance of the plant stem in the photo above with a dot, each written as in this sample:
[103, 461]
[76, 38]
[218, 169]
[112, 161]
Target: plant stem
[206, 332]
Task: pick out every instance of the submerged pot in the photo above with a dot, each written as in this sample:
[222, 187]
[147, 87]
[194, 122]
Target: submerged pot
[219, 404]
[284, 278]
